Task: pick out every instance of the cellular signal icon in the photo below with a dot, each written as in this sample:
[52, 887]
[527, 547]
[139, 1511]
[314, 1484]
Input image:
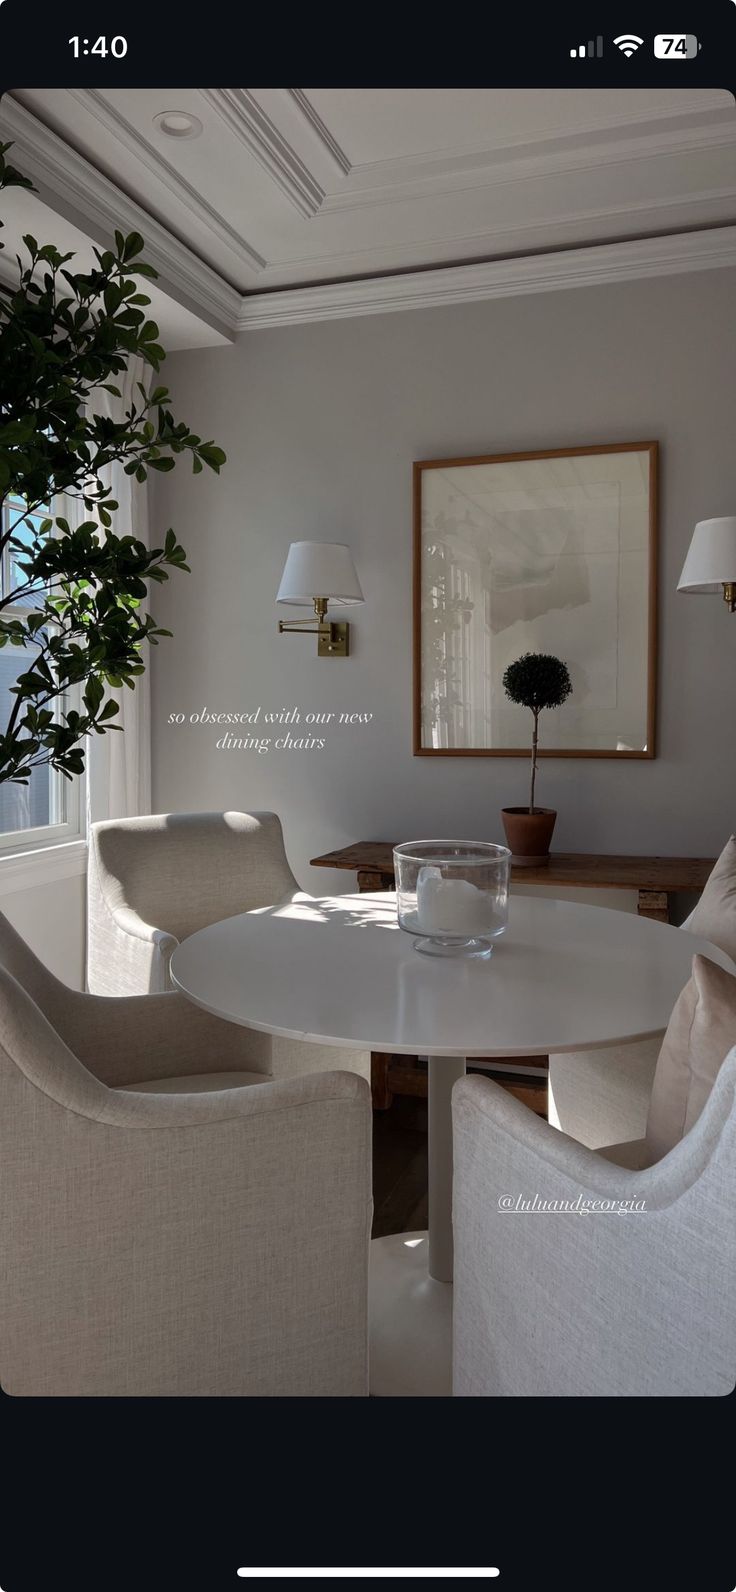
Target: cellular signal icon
[593, 47]
[628, 43]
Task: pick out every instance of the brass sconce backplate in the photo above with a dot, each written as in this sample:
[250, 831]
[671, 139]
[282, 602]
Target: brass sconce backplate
[333, 641]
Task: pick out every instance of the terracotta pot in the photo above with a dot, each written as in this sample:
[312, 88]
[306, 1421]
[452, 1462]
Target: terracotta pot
[528, 834]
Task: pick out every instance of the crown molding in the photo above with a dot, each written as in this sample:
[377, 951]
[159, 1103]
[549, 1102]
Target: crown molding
[91, 200]
[510, 240]
[245, 117]
[338, 156]
[419, 176]
[539, 273]
[96, 105]
[70, 183]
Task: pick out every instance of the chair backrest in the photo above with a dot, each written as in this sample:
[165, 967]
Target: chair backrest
[19, 961]
[605, 1306]
[182, 871]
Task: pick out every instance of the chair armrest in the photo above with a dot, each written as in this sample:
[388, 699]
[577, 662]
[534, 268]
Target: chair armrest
[128, 921]
[126, 955]
[127, 1039]
[212, 1244]
[591, 1300]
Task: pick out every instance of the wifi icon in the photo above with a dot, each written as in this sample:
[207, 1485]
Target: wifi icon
[628, 43]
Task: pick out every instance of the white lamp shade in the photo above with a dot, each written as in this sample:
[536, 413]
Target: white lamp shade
[711, 560]
[319, 569]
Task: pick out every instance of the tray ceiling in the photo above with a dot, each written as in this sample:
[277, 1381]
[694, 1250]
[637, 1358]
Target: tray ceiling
[292, 188]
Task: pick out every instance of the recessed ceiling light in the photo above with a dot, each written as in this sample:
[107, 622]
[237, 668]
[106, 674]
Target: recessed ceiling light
[178, 124]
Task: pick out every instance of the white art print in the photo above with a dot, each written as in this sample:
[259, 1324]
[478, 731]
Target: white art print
[536, 553]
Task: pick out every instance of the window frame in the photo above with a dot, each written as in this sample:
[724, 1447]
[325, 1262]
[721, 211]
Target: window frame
[71, 831]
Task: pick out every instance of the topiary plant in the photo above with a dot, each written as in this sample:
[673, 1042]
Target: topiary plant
[536, 681]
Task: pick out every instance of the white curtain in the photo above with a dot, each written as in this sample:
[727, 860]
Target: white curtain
[119, 765]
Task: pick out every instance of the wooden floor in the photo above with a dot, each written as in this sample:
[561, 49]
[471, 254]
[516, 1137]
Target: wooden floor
[400, 1160]
[400, 1167]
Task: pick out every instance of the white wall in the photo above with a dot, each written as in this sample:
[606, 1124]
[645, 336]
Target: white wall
[51, 918]
[321, 424]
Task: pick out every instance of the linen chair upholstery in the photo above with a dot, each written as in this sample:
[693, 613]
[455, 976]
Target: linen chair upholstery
[154, 881]
[172, 1243]
[601, 1097]
[562, 1305]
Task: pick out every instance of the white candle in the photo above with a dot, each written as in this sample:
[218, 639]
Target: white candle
[450, 906]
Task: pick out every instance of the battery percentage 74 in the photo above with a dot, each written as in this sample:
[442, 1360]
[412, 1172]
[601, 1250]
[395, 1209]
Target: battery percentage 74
[676, 46]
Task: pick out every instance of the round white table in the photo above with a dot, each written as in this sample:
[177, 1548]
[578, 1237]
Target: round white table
[338, 970]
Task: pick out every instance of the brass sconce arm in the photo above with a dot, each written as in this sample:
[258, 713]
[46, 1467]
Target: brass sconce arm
[333, 640]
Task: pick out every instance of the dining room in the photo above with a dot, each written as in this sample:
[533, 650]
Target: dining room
[367, 854]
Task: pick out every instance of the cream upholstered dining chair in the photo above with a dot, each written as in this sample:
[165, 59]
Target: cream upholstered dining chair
[602, 1096]
[154, 881]
[172, 1222]
[567, 1304]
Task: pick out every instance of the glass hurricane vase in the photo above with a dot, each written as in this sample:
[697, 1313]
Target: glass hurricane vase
[452, 894]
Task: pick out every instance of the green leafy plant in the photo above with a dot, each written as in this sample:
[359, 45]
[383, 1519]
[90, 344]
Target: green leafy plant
[73, 598]
[537, 680]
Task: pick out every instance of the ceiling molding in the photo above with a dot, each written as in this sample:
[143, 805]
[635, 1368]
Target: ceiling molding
[540, 273]
[338, 155]
[245, 117]
[693, 102]
[493, 241]
[420, 176]
[62, 175]
[67, 181]
[96, 105]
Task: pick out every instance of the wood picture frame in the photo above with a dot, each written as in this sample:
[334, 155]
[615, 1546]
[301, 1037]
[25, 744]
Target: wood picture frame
[581, 582]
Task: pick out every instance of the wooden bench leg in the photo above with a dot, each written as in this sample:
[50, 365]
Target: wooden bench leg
[654, 904]
[380, 1090]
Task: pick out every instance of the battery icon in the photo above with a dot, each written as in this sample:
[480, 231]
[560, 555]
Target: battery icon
[676, 46]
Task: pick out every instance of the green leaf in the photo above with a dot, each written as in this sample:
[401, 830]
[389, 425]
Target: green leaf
[212, 455]
[65, 335]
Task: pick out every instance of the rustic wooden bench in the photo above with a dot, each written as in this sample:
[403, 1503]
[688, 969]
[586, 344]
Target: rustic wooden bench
[655, 880]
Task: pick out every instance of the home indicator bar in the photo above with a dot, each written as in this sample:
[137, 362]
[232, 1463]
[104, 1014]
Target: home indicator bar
[593, 47]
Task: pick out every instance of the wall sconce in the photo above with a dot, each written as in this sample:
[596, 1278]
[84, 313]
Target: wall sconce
[320, 573]
[710, 565]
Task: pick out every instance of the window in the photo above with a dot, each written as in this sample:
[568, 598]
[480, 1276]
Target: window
[48, 810]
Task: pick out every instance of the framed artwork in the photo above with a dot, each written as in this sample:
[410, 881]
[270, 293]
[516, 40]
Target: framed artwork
[536, 552]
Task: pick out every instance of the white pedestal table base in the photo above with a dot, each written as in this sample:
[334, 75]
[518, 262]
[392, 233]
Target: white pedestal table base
[411, 1273]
